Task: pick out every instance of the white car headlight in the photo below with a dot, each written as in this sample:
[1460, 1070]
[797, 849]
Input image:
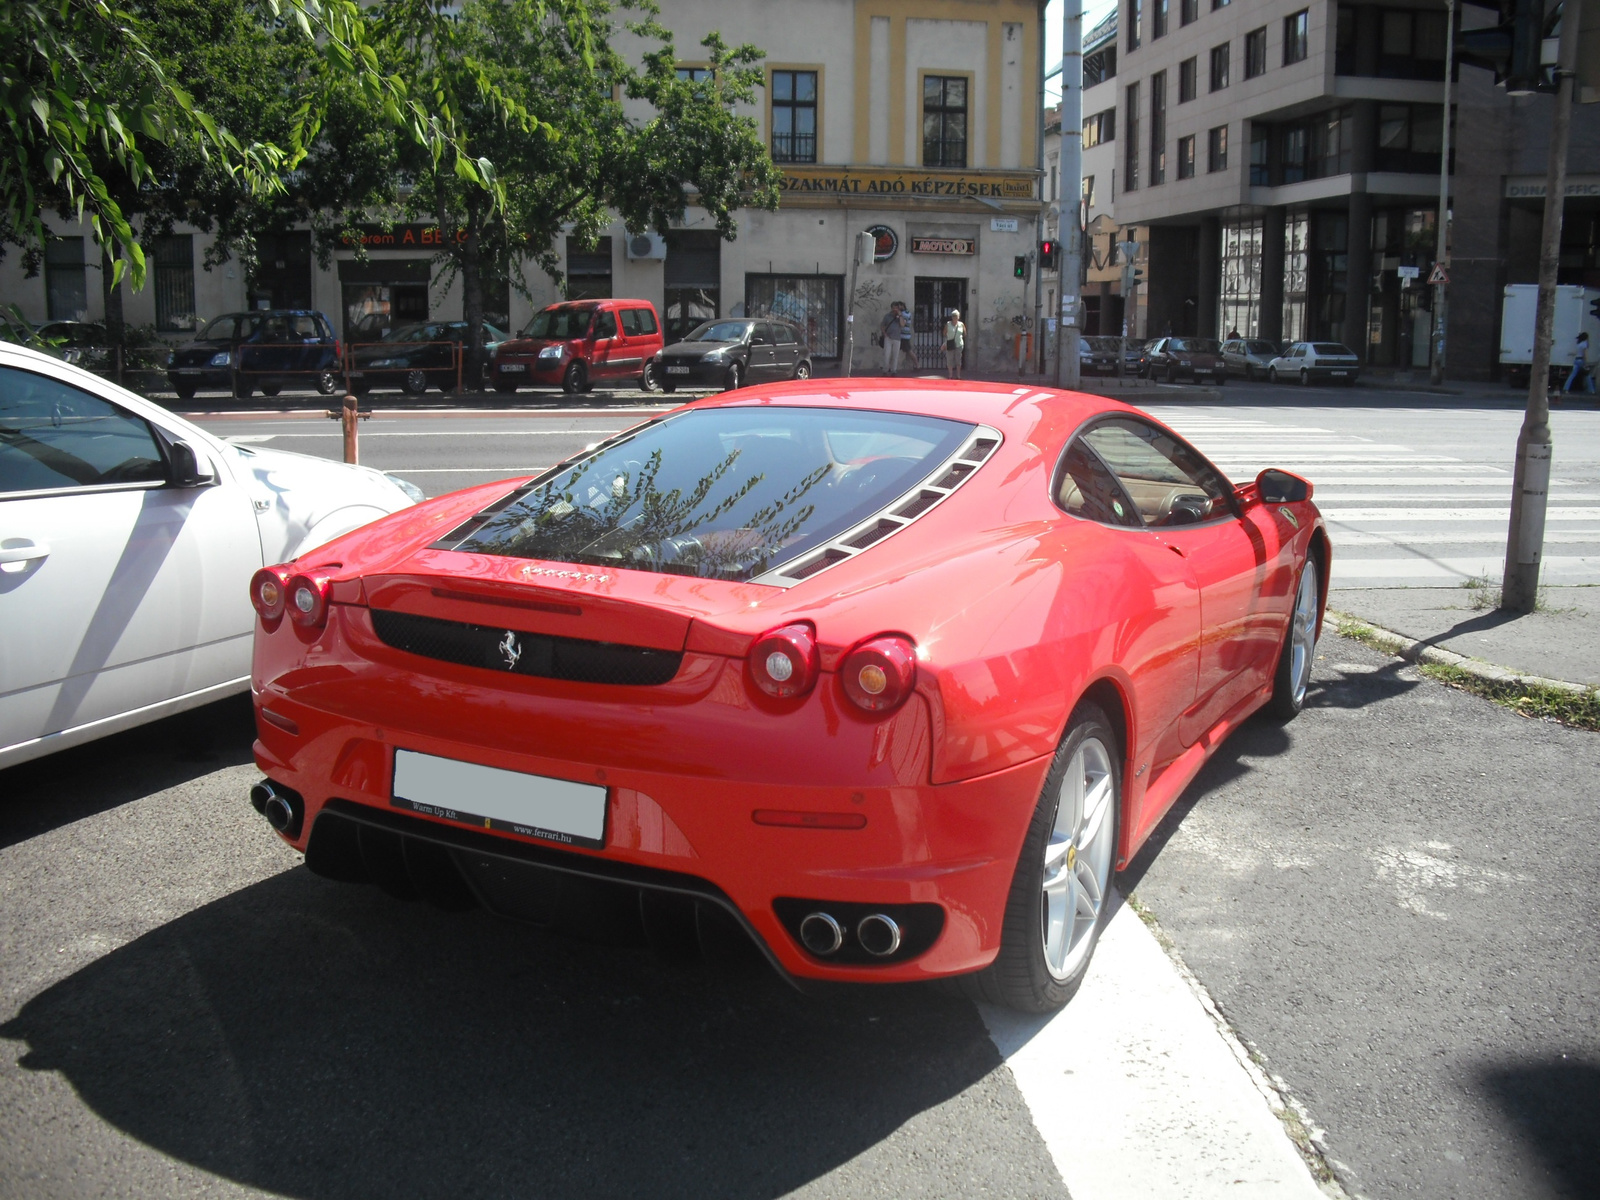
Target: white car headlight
[406, 486]
[551, 352]
[221, 360]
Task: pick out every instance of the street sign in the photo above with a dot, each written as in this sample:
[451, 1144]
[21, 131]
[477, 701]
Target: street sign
[1440, 275]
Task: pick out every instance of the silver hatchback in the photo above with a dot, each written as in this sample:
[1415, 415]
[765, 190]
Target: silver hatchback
[1249, 357]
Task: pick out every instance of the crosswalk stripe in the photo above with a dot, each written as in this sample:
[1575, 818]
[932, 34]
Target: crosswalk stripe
[1556, 512]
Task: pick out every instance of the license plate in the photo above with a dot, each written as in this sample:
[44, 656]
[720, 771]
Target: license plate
[188, 370]
[556, 810]
[1338, 373]
[508, 368]
[677, 370]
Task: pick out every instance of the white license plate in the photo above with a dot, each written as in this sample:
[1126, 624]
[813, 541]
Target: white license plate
[189, 370]
[508, 368]
[1338, 373]
[677, 370]
[557, 810]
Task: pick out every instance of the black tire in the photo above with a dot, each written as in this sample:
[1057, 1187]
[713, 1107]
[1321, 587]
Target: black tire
[1305, 377]
[183, 391]
[506, 389]
[734, 378]
[1272, 374]
[1289, 694]
[575, 380]
[669, 386]
[650, 377]
[271, 389]
[329, 382]
[414, 383]
[1019, 977]
[241, 387]
[802, 369]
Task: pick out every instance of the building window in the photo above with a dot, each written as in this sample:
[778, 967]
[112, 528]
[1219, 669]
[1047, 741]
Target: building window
[1158, 128]
[813, 302]
[1217, 149]
[174, 280]
[1130, 136]
[794, 116]
[691, 276]
[588, 271]
[1188, 74]
[1099, 66]
[696, 74]
[1088, 191]
[1260, 155]
[1188, 11]
[66, 292]
[1135, 23]
[1344, 41]
[1410, 44]
[1216, 4]
[1219, 66]
[1102, 127]
[1294, 38]
[1186, 157]
[1255, 53]
[1158, 19]
[944, 121]
[1240, 310]
[1409, 138]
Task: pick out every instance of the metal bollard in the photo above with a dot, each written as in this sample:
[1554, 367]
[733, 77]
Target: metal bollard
[347, 416]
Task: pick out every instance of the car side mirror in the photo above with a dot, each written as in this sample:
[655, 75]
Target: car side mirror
[1280, 487]
[189, 467]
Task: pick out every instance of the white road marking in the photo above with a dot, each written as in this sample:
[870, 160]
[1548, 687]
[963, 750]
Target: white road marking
[1555, 512]
[463, 470]
[433, 433]
[248, 439]
[1138, 1092]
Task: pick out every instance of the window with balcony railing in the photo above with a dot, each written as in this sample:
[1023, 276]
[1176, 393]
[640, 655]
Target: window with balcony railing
[794, 116]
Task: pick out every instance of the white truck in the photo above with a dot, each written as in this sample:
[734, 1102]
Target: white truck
[1577, 308]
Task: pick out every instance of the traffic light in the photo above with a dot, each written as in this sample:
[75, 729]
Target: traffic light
[1049, 251]
[1513, 49]
[1019, 266]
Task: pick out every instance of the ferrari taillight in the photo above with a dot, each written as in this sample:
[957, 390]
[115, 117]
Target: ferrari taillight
[784, 661]
[307, 603]
[269, 589]
[879, 673]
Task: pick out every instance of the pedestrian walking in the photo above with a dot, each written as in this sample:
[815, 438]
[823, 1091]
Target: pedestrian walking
[907, 328]
[955, 343]
[889, 335]
[1234, 335]
[1581, 372]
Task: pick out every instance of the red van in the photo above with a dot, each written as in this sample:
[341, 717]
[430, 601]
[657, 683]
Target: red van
[580, 343]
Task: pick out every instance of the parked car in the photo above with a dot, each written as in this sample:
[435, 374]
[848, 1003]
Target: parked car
[579, 343]
[1309, 362]
[127, 541]
[82, 343]
[266, 351]
[1249, 357]
[1136, 357]
[414, 358]
[892, 678]
[1175, 358]
[732, 352]
[1097, 356]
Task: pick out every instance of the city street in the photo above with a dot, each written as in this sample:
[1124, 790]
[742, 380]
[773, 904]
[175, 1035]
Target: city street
[1392, 903]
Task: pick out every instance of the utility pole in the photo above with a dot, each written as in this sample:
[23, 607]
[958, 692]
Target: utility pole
[1071, 189]
[1436, 372]
[866, 251]
[1519, 590]
[1129, 250]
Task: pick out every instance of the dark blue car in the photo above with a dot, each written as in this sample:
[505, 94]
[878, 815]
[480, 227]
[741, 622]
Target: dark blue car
[263, 351]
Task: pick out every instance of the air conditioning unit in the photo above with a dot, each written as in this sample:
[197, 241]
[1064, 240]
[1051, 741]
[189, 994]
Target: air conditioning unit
[646, 245]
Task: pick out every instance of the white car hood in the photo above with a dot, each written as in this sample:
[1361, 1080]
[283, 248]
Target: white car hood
[302, 502]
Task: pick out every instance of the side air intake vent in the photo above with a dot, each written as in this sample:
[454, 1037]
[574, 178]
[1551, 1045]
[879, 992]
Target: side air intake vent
[896, 515]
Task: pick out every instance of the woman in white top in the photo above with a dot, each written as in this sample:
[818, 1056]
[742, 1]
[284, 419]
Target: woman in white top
[955, 343]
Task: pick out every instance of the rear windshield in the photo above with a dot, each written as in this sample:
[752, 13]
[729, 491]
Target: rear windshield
[1194, 345]
[725, 493]
[1102, 345]
[1331, 348]
[559, 323]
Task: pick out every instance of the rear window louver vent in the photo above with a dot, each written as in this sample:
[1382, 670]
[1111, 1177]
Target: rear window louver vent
[894, 516]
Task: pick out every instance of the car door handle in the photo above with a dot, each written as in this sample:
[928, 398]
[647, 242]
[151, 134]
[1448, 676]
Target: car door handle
[1178, 550]
[17, 552]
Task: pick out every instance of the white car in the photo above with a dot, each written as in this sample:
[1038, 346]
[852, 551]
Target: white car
[127, 541]
[1310, 362]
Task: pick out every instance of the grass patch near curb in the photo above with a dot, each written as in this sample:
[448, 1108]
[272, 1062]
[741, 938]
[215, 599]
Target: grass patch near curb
[1581, 710]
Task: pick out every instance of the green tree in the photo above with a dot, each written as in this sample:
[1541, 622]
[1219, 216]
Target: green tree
[538, 92]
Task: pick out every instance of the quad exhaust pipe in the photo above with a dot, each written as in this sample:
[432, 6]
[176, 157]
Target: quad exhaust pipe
[877, 933]
[282, 807]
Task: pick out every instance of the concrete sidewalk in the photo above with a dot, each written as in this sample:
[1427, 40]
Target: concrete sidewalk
[1559, 641]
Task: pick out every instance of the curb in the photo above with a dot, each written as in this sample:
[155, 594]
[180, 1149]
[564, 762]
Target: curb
[1413, 650]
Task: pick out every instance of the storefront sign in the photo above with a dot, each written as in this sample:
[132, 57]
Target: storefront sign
[800, 182]
[887, 242]
[1531, 187]
[402, 237]
[934, 245]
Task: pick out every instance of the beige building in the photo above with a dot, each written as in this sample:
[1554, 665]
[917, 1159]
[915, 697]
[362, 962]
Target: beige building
[916, 119]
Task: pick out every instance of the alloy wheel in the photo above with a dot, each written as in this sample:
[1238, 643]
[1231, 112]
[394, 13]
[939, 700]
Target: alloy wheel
[1303, 633]
[415, 383]
[1077, 859]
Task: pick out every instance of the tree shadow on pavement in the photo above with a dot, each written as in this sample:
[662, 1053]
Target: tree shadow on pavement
[47, 793]
[1555, 1105]
[321, 1040]
[1263, 737]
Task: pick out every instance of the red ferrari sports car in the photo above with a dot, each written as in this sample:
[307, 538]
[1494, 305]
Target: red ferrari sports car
[891, 676]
